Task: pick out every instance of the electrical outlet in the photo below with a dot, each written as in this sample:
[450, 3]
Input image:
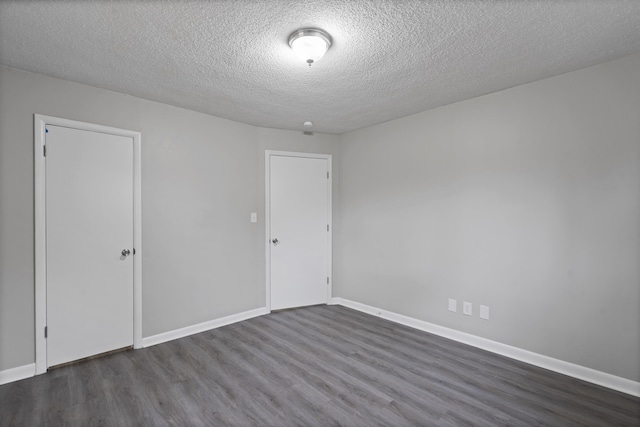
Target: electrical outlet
[467, 308]
[453, 305]
[484, 312]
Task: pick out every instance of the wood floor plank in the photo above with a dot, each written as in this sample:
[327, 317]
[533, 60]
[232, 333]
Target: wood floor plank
[406, 363]
[313, 366]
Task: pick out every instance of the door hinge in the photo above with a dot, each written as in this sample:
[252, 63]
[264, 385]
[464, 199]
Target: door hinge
[45, 332]
[327, 175]
[327, 227]
[327, 280]
[44, 150]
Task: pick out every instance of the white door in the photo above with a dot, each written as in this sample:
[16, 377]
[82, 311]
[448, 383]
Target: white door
[89, 243]
[299, 235]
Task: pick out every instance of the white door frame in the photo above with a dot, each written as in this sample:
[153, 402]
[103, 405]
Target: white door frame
[267, 217]
[40, 122]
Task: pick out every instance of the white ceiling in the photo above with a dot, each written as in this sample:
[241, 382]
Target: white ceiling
[389, 58]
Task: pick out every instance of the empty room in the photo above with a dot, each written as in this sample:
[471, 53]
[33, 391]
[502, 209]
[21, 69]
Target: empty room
[461, 239]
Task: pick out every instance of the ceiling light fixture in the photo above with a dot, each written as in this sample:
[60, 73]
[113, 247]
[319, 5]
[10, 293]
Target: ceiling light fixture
[310, 44]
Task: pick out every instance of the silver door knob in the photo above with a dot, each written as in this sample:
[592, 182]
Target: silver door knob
[126, 252]
[275, 242]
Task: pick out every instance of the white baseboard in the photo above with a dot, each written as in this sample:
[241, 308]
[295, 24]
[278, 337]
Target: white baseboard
[583, 373]
[17, 374]
[202, 327]
[27, 371]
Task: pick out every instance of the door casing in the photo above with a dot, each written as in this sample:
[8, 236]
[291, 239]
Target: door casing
[40, 122]
[268, 154]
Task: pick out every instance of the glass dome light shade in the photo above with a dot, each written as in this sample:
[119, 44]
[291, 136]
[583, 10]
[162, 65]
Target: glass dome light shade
[309, 45]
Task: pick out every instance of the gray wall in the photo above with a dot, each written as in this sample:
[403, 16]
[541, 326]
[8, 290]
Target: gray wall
[526, 200]
[202, 176]
[199, 186]
[200, 180]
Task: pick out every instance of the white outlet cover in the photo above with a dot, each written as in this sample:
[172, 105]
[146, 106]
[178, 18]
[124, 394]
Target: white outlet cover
[467, 308]
[484, 312]
[453, 305]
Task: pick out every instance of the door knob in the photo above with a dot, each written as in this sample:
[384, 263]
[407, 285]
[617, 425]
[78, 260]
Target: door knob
[275, 242]
[126, 252]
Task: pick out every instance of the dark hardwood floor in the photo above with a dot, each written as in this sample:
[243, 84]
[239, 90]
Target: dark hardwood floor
[314, 366]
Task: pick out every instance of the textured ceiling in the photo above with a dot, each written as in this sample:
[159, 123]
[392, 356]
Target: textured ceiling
[389, 58]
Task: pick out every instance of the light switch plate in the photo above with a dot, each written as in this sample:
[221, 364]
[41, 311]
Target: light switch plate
[453, 305]
[254, 217]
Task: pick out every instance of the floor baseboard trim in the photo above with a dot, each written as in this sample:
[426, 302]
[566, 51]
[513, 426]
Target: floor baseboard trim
[17, 374]
[202, 327]
[576, 371]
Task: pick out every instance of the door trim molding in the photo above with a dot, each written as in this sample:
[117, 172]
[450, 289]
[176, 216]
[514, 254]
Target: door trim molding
[39, 165]
[267, 217]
